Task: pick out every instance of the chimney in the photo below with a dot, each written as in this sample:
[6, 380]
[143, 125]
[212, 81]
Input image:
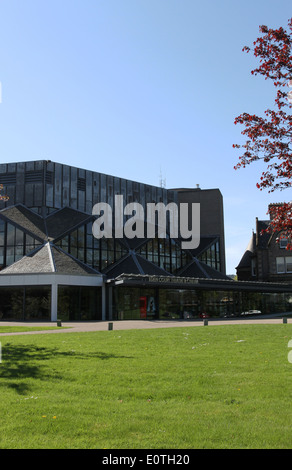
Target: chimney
[272, 207]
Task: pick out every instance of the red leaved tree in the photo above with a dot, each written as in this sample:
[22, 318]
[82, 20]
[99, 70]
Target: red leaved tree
[269, 138]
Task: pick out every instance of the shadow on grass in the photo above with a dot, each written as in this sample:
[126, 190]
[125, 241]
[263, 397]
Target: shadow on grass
[20, 362]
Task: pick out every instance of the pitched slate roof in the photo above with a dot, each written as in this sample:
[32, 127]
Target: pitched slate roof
[245, 261]
[201, 270]
[134, 264]
[66, 264]
[48, 259]
[263, 238]
[63, 221]
[259, 240]
[36, 262]
[52, 227]
[24, 218]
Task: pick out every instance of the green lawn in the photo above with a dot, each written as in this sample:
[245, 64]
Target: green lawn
[19, 329]
[180, 388]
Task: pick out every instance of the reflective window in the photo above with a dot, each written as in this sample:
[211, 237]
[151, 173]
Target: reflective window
[135, 304]
[14, 244]
[189, 304]
[25, 303]
[98, 254]
[79, 303]
[166, 253]
[211, 256]
[283, 242]
[284, 264]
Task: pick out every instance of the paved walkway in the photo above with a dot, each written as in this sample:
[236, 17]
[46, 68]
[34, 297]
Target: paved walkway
[74, 327]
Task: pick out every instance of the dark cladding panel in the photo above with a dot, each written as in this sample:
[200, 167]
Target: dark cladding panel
[159, 195]
[103, 197]
[58, 186]
[117, 186]
[39, 184]
[38, 194]
[29, 166]
[20, 183]
[73, 189]
[165, 197]
[124, 188]
[8, 180]
[142, 195]
[88, 193]
[81, 173]
[96, 189]
[81, 188]
[147, 194]
[153, 194]
[10, 192]
[49, 185]
[136, 193]
[39, 166]
[124, 194]
[171, 196]
[11, 168]
[211, 213]
[49, 195]
[51, 165]
[34, 180]
[129, 192]
[28, 201]
[66, 186]
[81, 200]
[29, 186]
[110, 191]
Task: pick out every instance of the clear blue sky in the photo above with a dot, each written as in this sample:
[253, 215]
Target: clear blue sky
[135, 87]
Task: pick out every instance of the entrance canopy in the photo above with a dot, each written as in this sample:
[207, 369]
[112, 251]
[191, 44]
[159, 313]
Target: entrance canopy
[161, 281]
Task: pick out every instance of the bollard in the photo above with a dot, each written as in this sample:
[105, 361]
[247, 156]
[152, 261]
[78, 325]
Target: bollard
[59, 323]
[284, 319]
[110, 326]
[205, 322]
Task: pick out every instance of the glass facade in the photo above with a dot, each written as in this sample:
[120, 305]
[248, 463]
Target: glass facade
[14, 244]
[135, 304]
[25, 303]
[76, 303]
[98, 254]
[102, 253]
[211, 256]
[166, 253]
[145, 303]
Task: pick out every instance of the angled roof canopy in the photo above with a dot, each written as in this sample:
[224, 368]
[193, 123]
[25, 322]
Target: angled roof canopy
[48, 259]
[51, 227]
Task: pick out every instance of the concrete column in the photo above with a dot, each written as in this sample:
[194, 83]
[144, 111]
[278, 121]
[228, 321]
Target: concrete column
[103, 303]
[110, 303]
[54, 301]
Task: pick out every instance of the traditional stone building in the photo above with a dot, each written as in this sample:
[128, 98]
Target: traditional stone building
[266, 258]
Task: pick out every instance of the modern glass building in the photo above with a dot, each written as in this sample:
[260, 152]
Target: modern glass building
[53, 267]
